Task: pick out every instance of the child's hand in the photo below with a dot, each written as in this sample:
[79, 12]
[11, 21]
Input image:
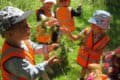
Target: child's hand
[53, 59]
[52, 47]
[64, 30]
[55, 21]
[52, 22]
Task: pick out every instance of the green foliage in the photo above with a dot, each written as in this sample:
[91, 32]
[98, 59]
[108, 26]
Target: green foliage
[42, 25]
[67, 58]
[113, 8]
[62, 53]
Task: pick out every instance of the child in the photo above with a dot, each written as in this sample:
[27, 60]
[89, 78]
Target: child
[94, 72]
[112, 64]
[65, 15]
[17, 58]
[43, 14]
[45, 17]
[45, 10]
[94, 40]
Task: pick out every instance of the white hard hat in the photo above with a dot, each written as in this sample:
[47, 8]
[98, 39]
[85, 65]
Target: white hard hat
[53, 1]
[101, 18]
[10, 16]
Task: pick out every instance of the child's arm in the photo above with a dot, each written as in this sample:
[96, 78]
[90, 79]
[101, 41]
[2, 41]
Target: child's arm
[69, 34]
[43, 17]
[52, 22]
[81, 35]
[40, 14]
[23, 68]
[40, 48]
[108, 54]
[74, 37]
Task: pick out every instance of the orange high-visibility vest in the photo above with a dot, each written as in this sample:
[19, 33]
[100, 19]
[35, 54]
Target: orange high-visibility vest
[65, 18]
[43, 38]
[90, 53]
[9, 52]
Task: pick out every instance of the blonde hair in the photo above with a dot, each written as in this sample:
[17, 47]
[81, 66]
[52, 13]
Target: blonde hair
[95, 70]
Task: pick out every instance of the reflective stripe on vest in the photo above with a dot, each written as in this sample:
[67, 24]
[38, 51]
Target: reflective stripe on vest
[31, 51]
[102, 44]
[86, 57]
[65, 18]
[10, 52]
[90, 59]
[91, 53]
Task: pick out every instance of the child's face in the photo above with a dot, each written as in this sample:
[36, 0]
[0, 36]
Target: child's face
[64, 3]
[48, 5]
[106, 22]
[20, 31]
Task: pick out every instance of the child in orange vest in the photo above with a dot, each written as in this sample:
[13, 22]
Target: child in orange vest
[94, 72]
[111, 64]
[94, 40]
[45, 18]
[65, 15]
[45, 11]
[17, 58]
